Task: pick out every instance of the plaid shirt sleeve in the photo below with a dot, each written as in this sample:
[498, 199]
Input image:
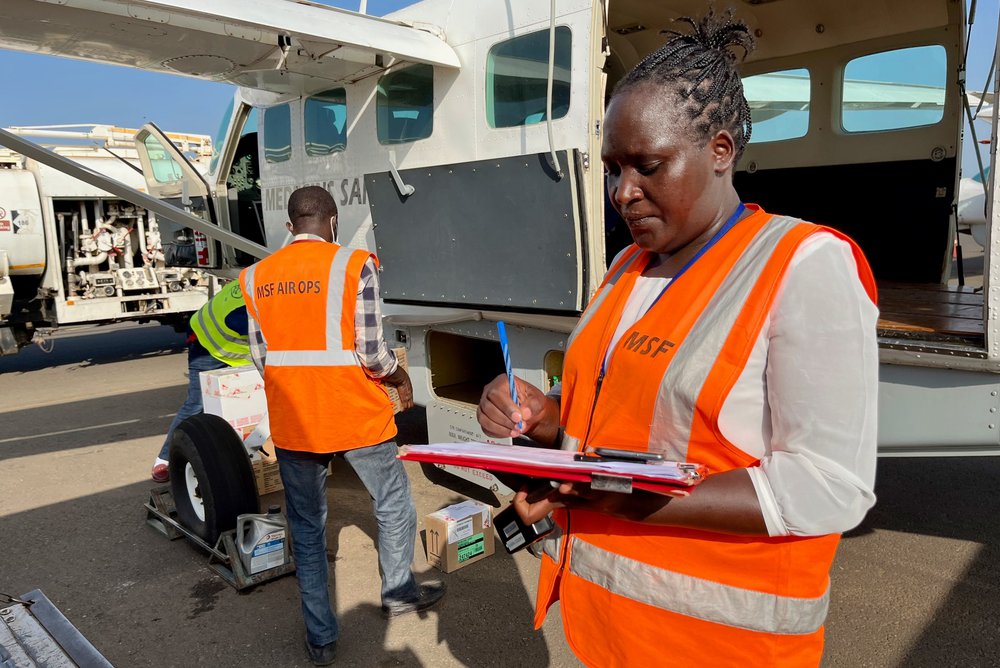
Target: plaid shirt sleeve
[258, 347]
[374, 355]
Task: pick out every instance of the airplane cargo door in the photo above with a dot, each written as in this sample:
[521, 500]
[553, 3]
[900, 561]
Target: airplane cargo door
[503, 233]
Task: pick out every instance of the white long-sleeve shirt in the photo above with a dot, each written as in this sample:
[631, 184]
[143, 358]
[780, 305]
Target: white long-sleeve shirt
[805, 404]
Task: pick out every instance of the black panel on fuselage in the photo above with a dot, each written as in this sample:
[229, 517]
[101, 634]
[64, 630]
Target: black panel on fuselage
[489, 234]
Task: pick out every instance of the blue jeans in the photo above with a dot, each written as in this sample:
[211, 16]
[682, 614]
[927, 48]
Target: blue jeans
[304, 476]
[192, 405]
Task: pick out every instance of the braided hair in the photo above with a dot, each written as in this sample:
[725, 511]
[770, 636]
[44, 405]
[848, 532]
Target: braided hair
[701, 67]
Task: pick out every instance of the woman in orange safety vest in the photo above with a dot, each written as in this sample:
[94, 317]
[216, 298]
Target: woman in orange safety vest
[726, 336]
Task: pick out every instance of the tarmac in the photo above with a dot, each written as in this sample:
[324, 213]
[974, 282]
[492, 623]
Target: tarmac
[917, 584]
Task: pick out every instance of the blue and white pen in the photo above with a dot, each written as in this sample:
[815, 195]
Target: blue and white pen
[505, 347]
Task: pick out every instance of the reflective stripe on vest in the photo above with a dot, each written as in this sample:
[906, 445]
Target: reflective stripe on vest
[696, 597]
[552, 543]
[571, 443]
[760, 596]
[209, 325]
[312, 358]
[614, 273]
[335, 354]
[248, 285]
[304, 299]
[673, 417]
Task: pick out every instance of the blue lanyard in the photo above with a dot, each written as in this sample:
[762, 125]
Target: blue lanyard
[733, 219]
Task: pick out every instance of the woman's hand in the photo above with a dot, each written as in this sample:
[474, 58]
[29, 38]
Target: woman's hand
[530, 508]
[531, 505]
[724, 502]
[499, 416]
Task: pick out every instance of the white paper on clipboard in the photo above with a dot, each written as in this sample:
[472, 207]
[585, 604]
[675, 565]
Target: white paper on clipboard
[666, 472]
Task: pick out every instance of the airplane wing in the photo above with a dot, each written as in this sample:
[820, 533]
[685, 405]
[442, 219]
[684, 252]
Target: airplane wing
[282, 46]
[771, 95]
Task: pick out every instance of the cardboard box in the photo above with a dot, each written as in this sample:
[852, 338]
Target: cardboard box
[236, 394]
[266, 475]
[459, 535]
[400, 353]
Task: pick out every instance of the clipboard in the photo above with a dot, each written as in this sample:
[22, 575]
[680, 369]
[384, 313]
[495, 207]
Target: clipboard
[615, 476]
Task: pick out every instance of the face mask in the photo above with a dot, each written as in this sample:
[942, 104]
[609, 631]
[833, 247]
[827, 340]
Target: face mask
[333, 230]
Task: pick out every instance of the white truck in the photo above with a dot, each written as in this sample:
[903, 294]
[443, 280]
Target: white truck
[71, 253]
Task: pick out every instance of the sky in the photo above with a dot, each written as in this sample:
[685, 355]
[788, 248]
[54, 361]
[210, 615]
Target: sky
[44, 90]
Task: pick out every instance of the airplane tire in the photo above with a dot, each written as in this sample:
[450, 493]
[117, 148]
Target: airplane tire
[211, 477]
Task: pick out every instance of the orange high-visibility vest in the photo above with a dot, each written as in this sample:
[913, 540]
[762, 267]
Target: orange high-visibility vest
[635, 594]
[319, 398]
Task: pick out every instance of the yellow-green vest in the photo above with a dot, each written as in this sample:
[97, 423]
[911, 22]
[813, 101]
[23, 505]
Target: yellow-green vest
[209, 325]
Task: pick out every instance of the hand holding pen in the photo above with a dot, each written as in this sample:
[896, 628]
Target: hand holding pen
[505, 349]
[525, 410]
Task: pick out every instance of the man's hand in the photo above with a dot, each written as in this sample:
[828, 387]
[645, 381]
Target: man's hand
[499, 416]
[400, 380]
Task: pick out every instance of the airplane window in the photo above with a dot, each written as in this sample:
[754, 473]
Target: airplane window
[278, 133]
[779, 105]
[897, 89]
[326, 122]
[249, 126]
[165, 168]
[220, 135]
[517, 79]
[405, 105]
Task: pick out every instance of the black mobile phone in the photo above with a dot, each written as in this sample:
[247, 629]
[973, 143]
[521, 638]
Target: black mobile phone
[515, 534]
[628, 455]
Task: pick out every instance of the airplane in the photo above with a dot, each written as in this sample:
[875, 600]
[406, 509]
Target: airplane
[973, 190]
[461, 142]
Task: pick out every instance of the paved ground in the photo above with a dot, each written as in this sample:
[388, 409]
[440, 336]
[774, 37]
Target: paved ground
[917, 585]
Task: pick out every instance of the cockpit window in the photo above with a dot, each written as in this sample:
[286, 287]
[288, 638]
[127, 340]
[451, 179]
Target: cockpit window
[220, 135]
[165, 168]
[779, 105]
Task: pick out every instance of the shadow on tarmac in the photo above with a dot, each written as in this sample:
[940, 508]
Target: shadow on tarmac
[145, 601]
[486, 605]
[75, 428]
[87, 349]
[954, 498]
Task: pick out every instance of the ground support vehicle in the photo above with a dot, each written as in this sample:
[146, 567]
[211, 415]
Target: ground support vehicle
[71, 253]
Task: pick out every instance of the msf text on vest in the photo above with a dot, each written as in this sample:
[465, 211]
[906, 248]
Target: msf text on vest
[278, 288]
[644, 344]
